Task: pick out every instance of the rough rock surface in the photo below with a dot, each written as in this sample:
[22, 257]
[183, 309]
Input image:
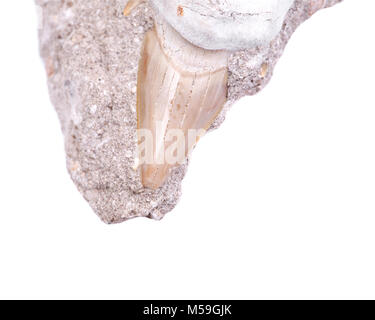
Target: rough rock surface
[91, 53]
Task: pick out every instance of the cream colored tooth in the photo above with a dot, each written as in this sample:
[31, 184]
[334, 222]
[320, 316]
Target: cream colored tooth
[131, 5]
[181, 90]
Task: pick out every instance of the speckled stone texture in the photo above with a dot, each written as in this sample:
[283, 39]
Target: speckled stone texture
[91, 53]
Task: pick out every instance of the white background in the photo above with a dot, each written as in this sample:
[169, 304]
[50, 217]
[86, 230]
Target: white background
[278, 203]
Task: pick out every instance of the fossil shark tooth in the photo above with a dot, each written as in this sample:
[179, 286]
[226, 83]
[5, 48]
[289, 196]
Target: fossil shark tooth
[182, 76]
[181, 90]
[183, 71]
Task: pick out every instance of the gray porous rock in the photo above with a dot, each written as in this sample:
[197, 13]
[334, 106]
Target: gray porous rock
[91, 53]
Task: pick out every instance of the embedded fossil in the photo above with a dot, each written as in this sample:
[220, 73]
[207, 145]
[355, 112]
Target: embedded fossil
[95, 57]
[182, 78]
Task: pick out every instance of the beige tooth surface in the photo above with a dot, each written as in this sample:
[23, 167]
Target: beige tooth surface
[177, 89]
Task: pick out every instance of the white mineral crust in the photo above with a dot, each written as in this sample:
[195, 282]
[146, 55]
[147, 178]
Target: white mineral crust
[225, 24]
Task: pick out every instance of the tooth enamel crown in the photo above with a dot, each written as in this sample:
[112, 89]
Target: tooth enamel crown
[181, 90]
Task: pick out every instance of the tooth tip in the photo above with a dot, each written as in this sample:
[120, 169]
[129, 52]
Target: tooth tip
[154, 176]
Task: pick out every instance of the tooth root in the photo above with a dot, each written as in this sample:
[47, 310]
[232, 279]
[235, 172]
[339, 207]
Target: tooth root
[183, 89]
[131, 5]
